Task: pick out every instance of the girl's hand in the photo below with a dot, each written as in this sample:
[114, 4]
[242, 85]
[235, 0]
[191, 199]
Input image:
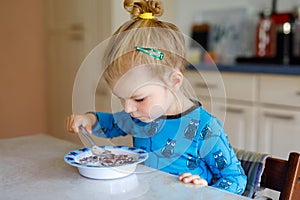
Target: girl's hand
[74, 121]
[194, 179]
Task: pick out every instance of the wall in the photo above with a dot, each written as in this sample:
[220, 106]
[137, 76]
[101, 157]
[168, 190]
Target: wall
[186, 11]
[22, 69]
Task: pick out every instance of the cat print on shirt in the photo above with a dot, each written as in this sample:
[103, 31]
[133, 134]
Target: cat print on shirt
[225, 184]
[168, 150]
[153, 128]
[191, 130]
[206, 132]
[220, 160]
[191, 162]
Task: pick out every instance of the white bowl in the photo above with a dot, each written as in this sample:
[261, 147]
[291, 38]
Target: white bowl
[106, 172]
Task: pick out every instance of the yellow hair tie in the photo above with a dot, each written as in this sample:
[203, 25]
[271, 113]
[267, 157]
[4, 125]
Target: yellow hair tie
[146, 16]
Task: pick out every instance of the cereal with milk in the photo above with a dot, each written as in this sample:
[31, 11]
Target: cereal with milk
[107, 160]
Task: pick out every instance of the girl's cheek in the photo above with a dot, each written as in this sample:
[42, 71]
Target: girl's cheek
[156, 111]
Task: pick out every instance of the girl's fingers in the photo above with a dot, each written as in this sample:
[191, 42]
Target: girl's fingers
[195, 179]
[200, 181]
[189, 179]
[184, 175]
[74, 121]
[89, 128]
[70, 123]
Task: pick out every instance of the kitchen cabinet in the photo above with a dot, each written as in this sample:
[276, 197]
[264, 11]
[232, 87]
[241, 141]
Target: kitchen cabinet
[280, 90]
[260, 112]
[279, 115]
[279, 131]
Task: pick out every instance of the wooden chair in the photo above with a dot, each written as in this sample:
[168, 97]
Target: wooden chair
[283, 176]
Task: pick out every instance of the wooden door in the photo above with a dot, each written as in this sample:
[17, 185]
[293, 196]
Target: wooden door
[73, 28]
[279, 132]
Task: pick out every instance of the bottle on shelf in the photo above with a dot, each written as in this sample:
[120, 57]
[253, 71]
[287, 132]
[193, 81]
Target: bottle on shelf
[199, 44]
[266, 35]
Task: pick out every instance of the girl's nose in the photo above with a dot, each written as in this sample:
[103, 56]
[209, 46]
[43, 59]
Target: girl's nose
[129, 106]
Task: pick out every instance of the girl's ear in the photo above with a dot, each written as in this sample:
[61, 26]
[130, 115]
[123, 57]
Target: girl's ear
[175, 80]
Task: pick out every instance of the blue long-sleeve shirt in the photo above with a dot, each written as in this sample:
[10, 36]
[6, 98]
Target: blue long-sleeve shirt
[193, 141]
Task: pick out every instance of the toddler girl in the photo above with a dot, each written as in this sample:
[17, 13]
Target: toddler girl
[144, 62]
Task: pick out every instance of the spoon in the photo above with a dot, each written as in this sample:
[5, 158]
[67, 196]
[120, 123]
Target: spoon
[96, 150]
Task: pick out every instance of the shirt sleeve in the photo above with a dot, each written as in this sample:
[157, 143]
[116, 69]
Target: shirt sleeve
[219, 156]
[110, 125]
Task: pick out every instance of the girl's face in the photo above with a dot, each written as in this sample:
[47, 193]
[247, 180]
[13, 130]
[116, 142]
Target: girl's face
[144, 96]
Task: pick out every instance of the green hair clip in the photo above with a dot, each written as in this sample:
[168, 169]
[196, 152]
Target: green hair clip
[154, 53]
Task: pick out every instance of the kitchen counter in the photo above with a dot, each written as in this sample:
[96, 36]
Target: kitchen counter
[252, 68]
[32, 167]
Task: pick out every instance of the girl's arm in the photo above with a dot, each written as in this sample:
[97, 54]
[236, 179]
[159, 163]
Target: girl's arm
[222, 161]
[110, 125]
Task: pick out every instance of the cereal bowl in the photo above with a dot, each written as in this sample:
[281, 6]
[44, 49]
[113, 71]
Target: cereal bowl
[121, 162]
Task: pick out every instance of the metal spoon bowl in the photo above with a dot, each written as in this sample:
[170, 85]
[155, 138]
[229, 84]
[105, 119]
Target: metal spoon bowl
[96, 150]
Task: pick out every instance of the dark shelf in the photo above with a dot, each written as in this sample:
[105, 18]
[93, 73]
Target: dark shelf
[251, 68]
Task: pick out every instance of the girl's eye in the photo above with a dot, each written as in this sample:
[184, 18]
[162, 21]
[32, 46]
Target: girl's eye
[140, 100]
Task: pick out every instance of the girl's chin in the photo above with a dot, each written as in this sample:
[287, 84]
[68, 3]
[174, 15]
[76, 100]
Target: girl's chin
[146, 120]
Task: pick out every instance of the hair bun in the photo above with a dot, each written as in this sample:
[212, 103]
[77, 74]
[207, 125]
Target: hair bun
[137, 7]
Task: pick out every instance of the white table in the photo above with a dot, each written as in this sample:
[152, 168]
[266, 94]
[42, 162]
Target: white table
[32, 167]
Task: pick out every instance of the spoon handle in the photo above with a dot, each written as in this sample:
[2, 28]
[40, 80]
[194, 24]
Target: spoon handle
[87, 135]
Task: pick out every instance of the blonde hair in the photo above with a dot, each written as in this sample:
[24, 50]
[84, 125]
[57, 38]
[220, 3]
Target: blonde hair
[121, 55]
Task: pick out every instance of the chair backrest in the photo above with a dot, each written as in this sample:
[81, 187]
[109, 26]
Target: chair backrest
[283, 176]
[252, 163]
